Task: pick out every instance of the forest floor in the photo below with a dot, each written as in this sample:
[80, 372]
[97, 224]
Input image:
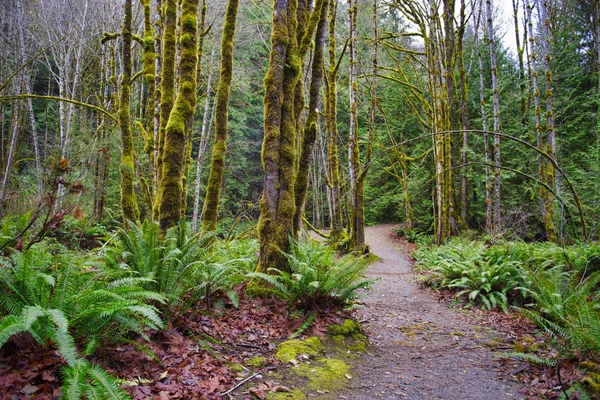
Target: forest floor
[420, 347]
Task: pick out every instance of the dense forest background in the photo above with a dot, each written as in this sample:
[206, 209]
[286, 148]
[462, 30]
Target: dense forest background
[439, 89]
[161, 159]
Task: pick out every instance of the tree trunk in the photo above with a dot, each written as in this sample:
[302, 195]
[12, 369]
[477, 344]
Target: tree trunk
[464, 115]
[488, 187]
[129, 206]
[311, 126]
[277, 204]
[149, 99]
[551, 178]
[167, 88]
[332, 131]
[14, 137]
[180, 120]
[189, 134]
[356, 235]
[496, 101]
[31, 111]
[547, 214]
[217, 167]
[206, 123]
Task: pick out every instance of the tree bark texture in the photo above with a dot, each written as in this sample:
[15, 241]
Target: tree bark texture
[217, 169]
[180, 120]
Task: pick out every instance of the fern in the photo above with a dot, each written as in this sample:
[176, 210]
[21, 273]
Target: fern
[317, 277]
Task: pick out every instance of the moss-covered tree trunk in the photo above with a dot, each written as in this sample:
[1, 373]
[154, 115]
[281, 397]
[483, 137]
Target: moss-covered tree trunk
[332, 131]
[167, 87]
[180, 120]
[149, 72]
[544, 195]
[217, 169]
[353, 150]
[551, 178]
[360, 182]
[311, 126]
[189, 134]
[496, 103]
[129, 206]
[488, 192]
[464, 114]
[277, 204]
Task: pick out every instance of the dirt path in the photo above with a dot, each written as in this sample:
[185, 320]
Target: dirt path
[421, 349]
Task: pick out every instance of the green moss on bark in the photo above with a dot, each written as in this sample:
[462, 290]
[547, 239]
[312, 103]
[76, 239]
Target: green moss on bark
[167, 87]
[215, 179]
[128, 200]
[310, 130]
[277, 204]
[180, 121]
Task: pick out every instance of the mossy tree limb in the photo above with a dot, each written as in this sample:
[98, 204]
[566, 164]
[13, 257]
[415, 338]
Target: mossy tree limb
[180, 120]
[217, 170]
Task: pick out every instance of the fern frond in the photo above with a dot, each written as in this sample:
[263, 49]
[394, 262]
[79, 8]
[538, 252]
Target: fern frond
[105, 384]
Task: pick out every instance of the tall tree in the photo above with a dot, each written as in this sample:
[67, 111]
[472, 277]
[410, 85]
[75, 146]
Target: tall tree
[551, 178]
[311, 125]
[496, 102]
[357, 239]
[129, 206]
[167, 88]
[488, 187]
[277, 204]
[180, 120]
[333, 176]
[217, 169]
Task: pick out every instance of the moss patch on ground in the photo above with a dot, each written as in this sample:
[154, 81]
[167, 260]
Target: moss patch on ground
[295, 394]
[348, 328]
[293, 348]
[325, 374]
[258, 361]
[349, 336]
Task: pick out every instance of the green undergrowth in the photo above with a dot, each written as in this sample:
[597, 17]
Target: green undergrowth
[144, 277]
[555, 287]
[318, 277]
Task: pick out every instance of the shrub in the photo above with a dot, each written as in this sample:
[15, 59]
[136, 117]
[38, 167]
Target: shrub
[317, 278]
[168, 264]
[56, 299]
[466, 266]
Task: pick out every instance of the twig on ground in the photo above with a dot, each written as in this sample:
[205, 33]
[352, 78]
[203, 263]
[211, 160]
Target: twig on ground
[240, 384]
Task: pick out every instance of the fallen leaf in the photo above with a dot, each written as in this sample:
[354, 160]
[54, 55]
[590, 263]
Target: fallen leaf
[29, 389]
[257, 393]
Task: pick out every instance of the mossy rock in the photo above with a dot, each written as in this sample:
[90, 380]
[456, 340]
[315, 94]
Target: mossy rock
[349, 328]
[349, 336]
[294, 394]
[293, 348]
[326, 374]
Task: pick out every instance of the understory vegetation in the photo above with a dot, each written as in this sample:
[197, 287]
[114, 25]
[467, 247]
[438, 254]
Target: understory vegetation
[140, 281]
[555, 287]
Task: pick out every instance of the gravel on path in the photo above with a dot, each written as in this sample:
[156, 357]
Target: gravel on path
[420, 348]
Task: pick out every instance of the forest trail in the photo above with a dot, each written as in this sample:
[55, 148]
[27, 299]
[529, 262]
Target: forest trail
[420, 349]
